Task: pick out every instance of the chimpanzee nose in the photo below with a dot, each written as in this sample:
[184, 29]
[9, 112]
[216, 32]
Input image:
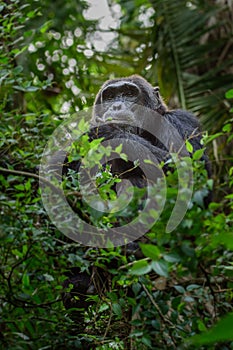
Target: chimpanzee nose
[117, 106]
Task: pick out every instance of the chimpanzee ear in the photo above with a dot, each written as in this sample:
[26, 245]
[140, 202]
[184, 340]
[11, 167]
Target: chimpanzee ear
[161, 106]
[156, 92]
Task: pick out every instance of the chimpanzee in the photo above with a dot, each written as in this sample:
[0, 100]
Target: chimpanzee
[131, 110]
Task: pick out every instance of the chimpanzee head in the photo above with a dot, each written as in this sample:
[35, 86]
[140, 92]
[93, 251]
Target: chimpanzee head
[118, 100]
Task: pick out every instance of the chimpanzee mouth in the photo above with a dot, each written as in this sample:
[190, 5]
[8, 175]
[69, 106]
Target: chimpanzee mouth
[119, 117]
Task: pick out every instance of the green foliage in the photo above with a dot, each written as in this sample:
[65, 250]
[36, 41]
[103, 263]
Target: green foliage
[220, 332]
[175, 291]
[186, 49]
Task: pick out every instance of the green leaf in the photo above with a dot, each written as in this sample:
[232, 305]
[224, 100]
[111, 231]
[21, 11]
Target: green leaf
[136, 287]
[150, 251]
[26, 88]
[45, 26]
[227, 128]
[180, 289]
[95, 144]
[201, 326]
[198, 154]
[83, 125]
[103, 307]
[117, 309]
[173, 258]
[28, 185]
[189, 146]
[26, 281]
[48, 277]
[19, 187]
[146, 341]
[17, 253]
[192, 287]
[18, 69]
[222, 331]
[140, 267]
[124, 156]
[31, 14]
[229, 93]
[118, 149]
[231, 171]
[160, 267]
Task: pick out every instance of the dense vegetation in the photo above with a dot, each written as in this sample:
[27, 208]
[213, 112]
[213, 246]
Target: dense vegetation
[178, 293]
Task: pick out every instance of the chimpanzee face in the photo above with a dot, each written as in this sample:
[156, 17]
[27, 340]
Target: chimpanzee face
[119, 100]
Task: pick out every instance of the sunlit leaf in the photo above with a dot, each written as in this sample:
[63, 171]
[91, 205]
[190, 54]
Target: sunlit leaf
[220, 332]
[141, 267]
[150, 251]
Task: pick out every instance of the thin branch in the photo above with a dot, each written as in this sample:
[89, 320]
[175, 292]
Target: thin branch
[31, 175]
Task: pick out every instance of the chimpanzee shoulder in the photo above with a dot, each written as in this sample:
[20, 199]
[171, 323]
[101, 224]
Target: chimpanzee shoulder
[183, 120]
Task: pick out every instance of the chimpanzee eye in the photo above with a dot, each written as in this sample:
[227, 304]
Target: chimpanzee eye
[130, 91]
[131, 94]
[108, 94]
